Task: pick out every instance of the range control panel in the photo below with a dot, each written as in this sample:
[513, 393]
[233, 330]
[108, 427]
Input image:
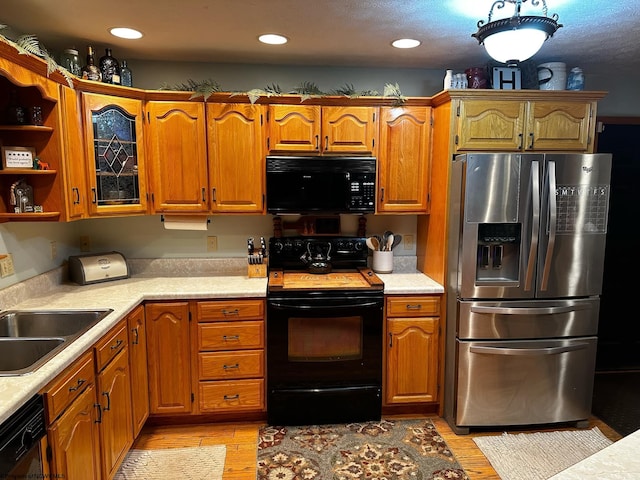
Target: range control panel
[342, 252]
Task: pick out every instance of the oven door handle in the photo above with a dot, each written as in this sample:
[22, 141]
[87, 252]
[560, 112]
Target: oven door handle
[291, 306]
[528, 351]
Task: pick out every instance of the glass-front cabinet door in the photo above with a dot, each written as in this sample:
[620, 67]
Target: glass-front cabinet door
[115, 155]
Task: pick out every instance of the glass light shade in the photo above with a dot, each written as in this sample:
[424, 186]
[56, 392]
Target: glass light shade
[125, 32]
[514, 45]
[273, 39]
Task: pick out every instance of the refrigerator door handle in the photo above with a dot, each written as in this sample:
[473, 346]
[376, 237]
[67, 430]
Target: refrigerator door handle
[528, 310]
[552, 225]
[535, 200]
[528, 351]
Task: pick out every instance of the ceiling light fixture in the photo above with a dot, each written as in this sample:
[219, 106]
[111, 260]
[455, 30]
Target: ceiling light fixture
[124, 32]
[405, 43]
[515, 39]
[273, 39]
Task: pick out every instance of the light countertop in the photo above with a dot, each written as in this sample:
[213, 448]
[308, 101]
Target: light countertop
[124, 295]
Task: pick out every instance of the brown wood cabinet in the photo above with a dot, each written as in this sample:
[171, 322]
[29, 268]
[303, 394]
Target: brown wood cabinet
[115, 153]
[512, 125]
[404, 160]
[26, 89]
[230, 356]
[114, 397]
[236, 136]
[138, 368]
[169, 357]
[72, 416]
[323, 129]
[412, 349]
[178, 151]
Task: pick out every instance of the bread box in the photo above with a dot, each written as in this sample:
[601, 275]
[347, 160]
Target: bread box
[99, 267]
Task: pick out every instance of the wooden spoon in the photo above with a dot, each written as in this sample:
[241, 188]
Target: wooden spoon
[373, 243]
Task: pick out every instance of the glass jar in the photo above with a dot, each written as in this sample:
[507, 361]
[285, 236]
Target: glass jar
[70, 61]
[575, 80]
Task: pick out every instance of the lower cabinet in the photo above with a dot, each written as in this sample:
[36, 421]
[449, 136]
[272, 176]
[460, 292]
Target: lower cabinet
[73, 418]
[230, 356]
[138, 368]
[412, 343]
[169, 357]
[114, 398]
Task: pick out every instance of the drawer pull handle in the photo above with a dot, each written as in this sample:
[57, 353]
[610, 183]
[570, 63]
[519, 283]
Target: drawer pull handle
[231, 312]
[231, 337]
[77, 385]
[231, 367]
[414, 307]
[232, 397]
[116, 345]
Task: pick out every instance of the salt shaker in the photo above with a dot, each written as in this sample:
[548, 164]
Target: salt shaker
[575, 81]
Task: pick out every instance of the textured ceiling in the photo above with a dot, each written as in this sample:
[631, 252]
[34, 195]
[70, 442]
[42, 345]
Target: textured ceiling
[599, 35]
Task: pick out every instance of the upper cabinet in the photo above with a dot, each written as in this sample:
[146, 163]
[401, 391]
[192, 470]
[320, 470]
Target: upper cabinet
[519, 125]
[323, 130]
[30, 135]
[178, 157]
[236, 136]
[115, 153]
[404, 160]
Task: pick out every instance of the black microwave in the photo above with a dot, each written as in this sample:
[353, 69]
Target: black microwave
[321, 184]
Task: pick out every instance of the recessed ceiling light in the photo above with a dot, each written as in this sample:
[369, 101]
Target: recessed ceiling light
[124, 32]
[406, 43]
[273, 39]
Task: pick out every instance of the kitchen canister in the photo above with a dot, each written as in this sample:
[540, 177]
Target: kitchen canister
[476, 77]
[552, 76]
[382, 261]
[575, 80]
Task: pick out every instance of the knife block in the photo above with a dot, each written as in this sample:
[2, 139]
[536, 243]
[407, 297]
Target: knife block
[257, 271]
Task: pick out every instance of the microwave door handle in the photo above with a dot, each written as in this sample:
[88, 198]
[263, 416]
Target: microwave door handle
[552, 214]
[535, 227]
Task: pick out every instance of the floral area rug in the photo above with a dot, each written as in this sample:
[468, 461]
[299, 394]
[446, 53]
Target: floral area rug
[380, 450]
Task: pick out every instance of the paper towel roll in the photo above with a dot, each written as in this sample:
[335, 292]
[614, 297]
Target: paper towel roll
[185, 222]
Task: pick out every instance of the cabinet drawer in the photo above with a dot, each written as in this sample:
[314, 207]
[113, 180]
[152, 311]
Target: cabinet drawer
[69, 385]
[230, 335]
[413, 306]
[111, 345]
[222, 310]
[219, 366]
[232, 395]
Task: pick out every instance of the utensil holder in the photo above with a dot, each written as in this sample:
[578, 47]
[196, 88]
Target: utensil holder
[382, 261]
[257, 271]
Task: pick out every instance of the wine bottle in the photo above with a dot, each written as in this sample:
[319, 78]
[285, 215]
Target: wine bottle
[110, 68]
[126, 77]
[91, 71]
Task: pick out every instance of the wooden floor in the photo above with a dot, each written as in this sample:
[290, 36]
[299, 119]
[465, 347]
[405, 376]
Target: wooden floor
[241, 441]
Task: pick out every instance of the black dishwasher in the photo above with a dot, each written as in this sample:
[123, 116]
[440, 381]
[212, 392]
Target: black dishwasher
[20, 435]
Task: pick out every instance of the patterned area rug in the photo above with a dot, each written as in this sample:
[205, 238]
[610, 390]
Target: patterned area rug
[193, 463]
[539, 455]
[386, 449]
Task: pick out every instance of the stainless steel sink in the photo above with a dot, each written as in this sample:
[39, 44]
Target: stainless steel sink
[28, 339]
[52, 323]
[25, 355]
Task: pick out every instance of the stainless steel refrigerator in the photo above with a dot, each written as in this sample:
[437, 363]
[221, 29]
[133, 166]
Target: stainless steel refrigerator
[526, 254]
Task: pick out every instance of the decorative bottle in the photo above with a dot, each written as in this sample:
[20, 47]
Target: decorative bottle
[576, 79]
[110, 68]
[70, 61]
[126, 77]
[91, 71]
[448, 80]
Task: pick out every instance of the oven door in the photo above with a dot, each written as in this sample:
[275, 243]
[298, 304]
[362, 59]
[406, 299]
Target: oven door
[324, 359]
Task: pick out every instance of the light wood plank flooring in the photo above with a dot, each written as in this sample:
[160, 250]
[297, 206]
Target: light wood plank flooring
[241, 441]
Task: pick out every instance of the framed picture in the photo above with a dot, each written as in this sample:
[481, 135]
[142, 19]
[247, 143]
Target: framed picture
[18, 157]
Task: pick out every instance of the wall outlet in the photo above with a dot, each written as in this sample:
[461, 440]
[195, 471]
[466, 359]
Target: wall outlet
[54, 250]
[212, 244]
[85, 243]
[408, 242]
[6, 265]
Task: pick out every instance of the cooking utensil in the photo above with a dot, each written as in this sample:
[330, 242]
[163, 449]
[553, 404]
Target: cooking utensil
[389, 244]
[373, 243]
[379, 239]
[397, 238]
